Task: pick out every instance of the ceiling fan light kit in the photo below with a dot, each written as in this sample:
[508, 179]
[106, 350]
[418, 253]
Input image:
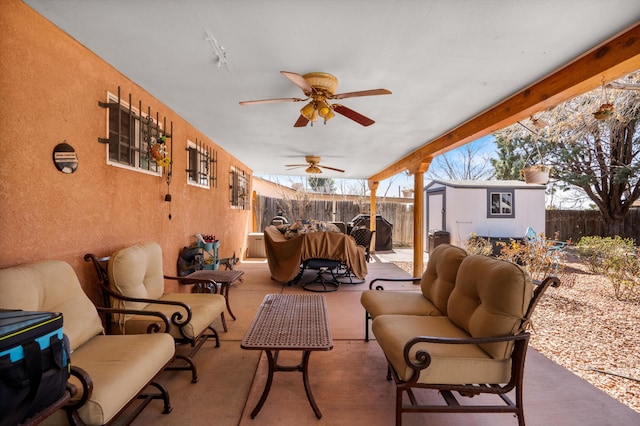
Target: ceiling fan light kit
[313, 165]
[320, 87]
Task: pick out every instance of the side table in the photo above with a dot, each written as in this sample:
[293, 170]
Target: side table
[224, 278]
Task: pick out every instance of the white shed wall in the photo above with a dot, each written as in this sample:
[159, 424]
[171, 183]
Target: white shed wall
[466, 213]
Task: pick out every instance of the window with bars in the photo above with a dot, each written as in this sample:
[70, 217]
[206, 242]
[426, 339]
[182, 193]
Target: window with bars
[131, 134]
[201, 165]
[239, 189]
[500, 203]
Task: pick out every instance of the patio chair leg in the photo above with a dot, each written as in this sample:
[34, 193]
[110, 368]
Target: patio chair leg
[366, 326]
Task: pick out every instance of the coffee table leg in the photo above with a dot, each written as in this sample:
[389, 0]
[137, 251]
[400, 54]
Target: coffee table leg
[307, 388]
[225, 292]
[267, 386]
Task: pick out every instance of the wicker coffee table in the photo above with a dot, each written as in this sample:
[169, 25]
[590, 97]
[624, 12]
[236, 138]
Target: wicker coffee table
[289, 322]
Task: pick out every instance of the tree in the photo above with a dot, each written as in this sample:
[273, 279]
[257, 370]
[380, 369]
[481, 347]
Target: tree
[465, 163]
[599, 155]
[322, 185]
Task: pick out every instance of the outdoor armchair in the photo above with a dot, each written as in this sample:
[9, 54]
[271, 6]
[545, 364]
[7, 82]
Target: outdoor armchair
[134, 279]
[478, 347]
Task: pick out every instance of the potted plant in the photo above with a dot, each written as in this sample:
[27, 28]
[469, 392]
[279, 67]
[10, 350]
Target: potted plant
[536, 173]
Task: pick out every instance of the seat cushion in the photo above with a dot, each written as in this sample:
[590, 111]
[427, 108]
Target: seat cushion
[450, 364]
[383, 302]
[490, 298]
[120, 367]
[205, 308]
[51, 286]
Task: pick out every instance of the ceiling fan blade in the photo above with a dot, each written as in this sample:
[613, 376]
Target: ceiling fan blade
[301, 122]
[296, 165]
[271, 101]
[331, 168]
[355, 116]
[299, 81]
[372, 92]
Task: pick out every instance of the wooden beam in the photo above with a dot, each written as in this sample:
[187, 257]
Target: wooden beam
[373, 187]
[418, 224]
[608, 61]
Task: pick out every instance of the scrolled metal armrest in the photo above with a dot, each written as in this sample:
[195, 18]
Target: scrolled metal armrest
[379, 287]
[152, 328]
[423, 358]
[87, 389]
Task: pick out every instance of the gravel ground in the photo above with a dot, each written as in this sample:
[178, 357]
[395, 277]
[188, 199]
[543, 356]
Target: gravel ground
[581, 327]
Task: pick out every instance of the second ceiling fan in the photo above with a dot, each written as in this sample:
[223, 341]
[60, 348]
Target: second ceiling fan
[320, 88]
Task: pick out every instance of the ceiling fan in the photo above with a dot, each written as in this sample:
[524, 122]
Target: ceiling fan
[320, 87]
[313, 165]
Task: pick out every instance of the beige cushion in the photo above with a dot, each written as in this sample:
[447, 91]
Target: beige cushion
[439, 278]
[436, 285]
[136, 271]
[450, 364]
[490, 298]
[119, 366]
[51, 286]
[389, 302]
[204, 309]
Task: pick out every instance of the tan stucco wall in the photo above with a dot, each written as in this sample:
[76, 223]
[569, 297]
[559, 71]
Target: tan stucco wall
[50, 86]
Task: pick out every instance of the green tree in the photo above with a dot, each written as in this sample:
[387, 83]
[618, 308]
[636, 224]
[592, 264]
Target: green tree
[600, 156]
[322, 185]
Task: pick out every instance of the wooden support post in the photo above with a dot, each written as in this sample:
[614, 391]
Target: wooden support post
[373, 187]
[418, 224]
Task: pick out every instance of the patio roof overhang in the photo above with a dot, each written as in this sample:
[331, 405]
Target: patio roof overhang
[608, 61]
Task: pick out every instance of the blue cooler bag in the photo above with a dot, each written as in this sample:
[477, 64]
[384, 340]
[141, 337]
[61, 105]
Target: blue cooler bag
[34, 363]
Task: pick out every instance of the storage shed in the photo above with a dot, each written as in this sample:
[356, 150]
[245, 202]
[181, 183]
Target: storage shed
[499, 209]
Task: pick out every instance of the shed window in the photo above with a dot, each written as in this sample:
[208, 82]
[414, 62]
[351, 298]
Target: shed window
[500, 203]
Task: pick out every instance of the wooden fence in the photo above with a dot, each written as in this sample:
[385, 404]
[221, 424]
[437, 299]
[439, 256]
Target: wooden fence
[400, 215]
[569, 224]
[574, 224]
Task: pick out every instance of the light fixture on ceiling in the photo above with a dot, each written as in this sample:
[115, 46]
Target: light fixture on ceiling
[313, 169]
[319, 107]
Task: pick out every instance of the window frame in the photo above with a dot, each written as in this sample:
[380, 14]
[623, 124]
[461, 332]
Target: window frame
[491, 192]
[203, 156]
[142, 161]
[238, 189]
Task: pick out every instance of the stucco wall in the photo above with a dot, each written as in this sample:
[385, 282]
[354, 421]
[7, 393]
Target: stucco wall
[50, 86]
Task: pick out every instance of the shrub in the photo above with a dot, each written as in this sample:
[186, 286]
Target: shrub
[479, 245]
[540, 258]
[617, 259]
[597, 252]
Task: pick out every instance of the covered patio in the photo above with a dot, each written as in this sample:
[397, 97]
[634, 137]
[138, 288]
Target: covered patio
[349, 382]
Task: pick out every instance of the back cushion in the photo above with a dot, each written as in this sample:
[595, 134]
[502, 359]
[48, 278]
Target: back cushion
[440, 277]
[136, 271]
[51, 286]
[490, 298]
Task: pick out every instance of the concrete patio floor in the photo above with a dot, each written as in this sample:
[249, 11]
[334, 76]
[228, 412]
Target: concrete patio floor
[349, 382]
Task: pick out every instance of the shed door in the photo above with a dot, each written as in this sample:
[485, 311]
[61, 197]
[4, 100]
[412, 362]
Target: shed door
[435, 211]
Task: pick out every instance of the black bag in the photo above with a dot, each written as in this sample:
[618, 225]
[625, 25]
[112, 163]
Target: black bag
[34, 363]
[190, 260]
